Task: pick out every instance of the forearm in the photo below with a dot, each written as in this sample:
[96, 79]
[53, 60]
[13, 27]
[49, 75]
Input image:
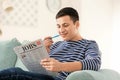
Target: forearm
[48, 49]
[48, 42]
[71, 66]
[91, 64]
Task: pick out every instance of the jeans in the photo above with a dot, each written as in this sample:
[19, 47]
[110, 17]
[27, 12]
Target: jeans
[19, 74]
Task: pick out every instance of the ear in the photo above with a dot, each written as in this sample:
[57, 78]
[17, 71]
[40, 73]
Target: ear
[77, 24]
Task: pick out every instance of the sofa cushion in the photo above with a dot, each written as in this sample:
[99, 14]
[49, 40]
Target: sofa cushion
[19, 63]
[102, 74]
[7, 55]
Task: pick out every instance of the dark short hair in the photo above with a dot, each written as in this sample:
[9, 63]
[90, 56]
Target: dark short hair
[70, 12]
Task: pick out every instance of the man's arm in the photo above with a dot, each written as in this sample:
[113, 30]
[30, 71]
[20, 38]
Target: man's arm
[92, 61]
[48, 42]
[56, 66]
[71, 66]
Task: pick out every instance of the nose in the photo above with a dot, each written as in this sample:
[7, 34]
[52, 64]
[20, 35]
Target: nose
[62, 30]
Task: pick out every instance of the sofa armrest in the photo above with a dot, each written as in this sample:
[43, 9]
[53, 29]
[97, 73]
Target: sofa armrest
[102, 74]
[7, 54]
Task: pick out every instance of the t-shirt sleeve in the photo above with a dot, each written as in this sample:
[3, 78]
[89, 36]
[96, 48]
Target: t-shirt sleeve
[92, 59]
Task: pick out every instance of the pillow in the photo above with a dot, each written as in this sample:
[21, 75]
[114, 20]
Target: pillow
[102, 74]
[7, 54]
[19, 62]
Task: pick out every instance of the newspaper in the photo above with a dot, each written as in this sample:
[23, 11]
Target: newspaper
[31, 54]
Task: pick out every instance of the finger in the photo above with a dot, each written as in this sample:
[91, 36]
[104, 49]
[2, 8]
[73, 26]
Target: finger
[51, 40]
[46, 38]
[45, 64]
[47, 67]
[50, 68]
[46, 60]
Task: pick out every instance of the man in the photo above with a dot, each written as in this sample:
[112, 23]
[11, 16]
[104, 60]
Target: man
[73, 53]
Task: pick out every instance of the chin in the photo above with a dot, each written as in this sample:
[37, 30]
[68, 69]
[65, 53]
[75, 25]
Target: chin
[65, 39]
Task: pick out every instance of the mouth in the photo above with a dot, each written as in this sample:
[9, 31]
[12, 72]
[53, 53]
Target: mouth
[63, 35]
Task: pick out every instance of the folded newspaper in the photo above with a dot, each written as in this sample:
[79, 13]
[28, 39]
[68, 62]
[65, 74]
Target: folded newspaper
[31, 54]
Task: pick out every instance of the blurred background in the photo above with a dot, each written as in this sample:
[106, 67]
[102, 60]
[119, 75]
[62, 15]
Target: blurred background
[34, 19]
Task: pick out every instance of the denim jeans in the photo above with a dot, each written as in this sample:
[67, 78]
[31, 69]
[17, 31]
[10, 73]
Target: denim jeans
[19, 74]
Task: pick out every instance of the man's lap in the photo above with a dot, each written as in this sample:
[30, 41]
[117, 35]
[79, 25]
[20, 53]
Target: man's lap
[19, 74]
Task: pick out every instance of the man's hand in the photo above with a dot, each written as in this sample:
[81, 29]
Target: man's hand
[54, 65]
[48, 42]
[51, 64]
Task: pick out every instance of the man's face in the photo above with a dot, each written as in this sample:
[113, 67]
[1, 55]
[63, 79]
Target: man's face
[67, 29]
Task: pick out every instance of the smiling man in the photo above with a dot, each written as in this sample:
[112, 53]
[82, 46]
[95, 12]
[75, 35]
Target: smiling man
[74, 52]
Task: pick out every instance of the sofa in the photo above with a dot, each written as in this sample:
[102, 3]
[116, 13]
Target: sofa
[8, 59]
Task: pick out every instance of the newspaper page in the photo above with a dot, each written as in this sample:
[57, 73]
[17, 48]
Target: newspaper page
[31, 54]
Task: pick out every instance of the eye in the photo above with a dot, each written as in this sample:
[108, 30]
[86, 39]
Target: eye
[65, 25]
[58, 26]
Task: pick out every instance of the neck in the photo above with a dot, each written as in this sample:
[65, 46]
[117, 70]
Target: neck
[77, 37]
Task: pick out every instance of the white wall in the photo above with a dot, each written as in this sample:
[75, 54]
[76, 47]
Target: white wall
[115, 57]
[96, 23]
[96, 17]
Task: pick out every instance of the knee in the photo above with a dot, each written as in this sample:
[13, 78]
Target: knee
[13, 70]
[8, 71]
[16, 70]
